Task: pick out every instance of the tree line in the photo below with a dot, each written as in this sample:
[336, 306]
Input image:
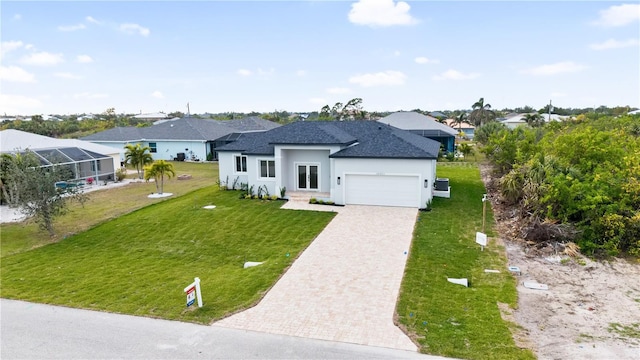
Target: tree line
[577, 180]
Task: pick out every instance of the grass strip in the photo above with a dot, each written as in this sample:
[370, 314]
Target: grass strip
[448, 319]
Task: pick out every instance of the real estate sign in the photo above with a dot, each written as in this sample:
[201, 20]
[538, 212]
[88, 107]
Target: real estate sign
[193, 293]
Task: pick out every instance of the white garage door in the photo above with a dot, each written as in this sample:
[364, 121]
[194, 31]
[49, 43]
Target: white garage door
[386, 190]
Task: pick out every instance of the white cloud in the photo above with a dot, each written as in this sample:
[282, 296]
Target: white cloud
[84, 59]
[91, 19]
[396, 53]
[134, 29]
[88, 96]
[301, 73]
[244, 72]
[16, 74]
[66, 75]
[269, 72]
[17, 17]
[71, 27]
[318, 101]
[383, 78]
[557, 68]
[338, 90]
[18, 104]
[157, 94]
[455, 75]
[615, 44]
[381, 13]
[8, 46]
[42, 58]
[619, 15]
[424, 60]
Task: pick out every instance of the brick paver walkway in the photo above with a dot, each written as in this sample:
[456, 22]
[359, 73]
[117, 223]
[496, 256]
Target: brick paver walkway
[344, 286]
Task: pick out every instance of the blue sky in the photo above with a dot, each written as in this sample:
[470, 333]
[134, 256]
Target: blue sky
[85, 57]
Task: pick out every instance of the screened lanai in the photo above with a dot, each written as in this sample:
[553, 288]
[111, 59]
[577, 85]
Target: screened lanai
[82, 164]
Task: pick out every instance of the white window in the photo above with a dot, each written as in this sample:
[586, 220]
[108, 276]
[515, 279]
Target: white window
[241, 164]
[267, 168]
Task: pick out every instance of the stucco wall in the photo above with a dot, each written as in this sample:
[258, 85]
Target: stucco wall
[227, 169]
[168, 150]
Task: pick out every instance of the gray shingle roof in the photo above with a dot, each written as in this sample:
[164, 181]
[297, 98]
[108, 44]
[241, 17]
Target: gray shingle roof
[361, 139]
[183, 129]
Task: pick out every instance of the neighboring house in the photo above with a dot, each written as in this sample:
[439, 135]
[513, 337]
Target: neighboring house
[634, 112]
[186, 138]
[423, 125]
[514, 120]
[466, 128]
[151, 116]
[347, 162]
[84, 159]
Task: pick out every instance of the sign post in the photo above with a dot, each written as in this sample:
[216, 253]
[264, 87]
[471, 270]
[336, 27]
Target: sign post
[193, 292]
[484, 210]
[481, 239]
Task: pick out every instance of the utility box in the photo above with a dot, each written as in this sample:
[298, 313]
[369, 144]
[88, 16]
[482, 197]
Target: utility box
[180, 156]
[442, 184]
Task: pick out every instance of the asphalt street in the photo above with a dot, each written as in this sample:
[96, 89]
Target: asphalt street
[37, 331]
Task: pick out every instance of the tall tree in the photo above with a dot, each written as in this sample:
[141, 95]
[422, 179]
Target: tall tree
[481, 113]
[157, 171]
[533, 119]
[459, 120]
[34, 188]
[138, 156]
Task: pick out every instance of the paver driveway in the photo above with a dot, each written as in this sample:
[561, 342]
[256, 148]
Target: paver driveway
[344, 286]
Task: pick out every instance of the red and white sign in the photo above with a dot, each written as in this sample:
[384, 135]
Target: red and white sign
[193, 293]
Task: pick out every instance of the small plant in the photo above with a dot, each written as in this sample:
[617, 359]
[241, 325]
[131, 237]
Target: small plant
[450, 157]
[428, 206]
[259, 195]
[121, 174]
[265, 190]
[313, 201]
[274, 197]
[235, 182]
[210, 157]
[283, 190]
[248, 196]
[329, 203]
[222, 184]
[90, 181]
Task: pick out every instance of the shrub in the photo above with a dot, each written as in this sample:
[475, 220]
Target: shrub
[121, 174]
[313, 201]
[274, 197]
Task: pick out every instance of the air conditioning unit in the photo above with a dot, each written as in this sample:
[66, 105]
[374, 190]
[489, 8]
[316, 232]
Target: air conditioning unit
[442, 184]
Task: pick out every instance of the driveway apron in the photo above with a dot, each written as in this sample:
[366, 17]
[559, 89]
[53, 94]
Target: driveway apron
[344, 286]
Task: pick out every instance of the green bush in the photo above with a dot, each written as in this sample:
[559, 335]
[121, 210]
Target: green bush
[584, 173]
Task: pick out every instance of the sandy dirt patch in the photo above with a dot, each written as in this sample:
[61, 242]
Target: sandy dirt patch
[591, 309]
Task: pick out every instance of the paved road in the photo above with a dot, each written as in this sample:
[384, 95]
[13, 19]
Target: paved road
[345, 285]
[36, 331]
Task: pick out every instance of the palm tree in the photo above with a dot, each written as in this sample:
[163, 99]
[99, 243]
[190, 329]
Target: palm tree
[138, 156]
[157, 171]
[465, 149]
[533, 119]
[458, 120]
[481, 113]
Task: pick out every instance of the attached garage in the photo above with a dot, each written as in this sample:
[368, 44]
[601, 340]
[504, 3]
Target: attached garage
[384, 190]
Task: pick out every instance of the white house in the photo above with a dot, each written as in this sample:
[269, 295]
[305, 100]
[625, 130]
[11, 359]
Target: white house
[347, 162]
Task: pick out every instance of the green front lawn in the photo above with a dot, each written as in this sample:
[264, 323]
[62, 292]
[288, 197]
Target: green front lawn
[140, 262]
[104, 205]
[449, 319]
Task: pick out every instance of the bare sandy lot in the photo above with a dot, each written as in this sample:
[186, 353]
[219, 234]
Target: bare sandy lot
[591, 309]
